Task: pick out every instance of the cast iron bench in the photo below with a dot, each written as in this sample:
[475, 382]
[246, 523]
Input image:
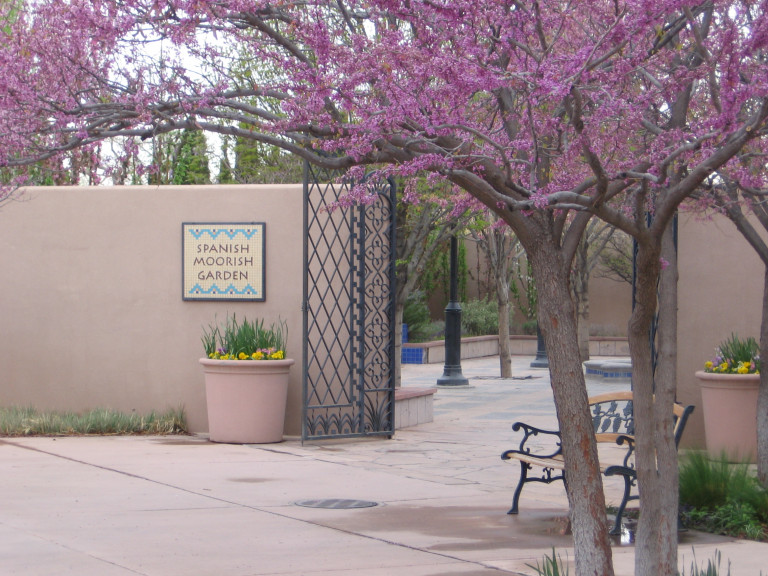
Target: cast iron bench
[613, 421]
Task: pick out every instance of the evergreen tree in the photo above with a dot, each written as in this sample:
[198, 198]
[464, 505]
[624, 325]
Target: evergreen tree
[191, 162]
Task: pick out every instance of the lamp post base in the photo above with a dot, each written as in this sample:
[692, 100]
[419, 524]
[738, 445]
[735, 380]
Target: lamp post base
[541, 360]
[452, 377]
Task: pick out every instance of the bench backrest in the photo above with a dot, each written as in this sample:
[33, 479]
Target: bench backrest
[612, 416]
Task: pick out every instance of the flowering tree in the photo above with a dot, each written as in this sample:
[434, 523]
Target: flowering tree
[548, 112]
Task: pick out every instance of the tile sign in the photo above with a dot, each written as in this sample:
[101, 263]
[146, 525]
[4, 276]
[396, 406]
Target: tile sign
[223, 261]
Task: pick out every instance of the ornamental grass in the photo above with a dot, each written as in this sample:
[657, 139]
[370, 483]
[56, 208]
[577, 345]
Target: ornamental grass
[27, 421]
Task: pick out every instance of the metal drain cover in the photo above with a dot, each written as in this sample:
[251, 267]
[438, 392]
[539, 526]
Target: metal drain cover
[336, 504]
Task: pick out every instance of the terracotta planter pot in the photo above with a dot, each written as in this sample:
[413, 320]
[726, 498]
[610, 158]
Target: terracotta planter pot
[246, 399]
[729, 405]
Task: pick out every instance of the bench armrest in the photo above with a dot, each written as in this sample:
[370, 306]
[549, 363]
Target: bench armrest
[630, 442]
[528, 432]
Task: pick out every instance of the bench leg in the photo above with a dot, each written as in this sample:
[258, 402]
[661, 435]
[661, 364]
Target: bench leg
[523, 477]
[627, 487]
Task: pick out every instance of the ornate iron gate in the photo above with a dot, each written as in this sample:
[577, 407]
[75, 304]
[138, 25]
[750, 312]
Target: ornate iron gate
[348, 372]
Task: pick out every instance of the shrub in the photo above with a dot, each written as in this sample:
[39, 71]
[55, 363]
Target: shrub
[416, 315]
[707, 483]
[720, 497]
[733, 519]
[480, 317]
[435, 330]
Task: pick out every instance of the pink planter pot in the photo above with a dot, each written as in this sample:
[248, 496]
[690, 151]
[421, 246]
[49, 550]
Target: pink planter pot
[729, 405]
[246, 399]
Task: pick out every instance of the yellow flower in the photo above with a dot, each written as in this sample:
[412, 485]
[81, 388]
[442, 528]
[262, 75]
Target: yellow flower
[708, 365]
[723, 367]
[257, 355]
[742, 369]
[242, 356]
[279, 355]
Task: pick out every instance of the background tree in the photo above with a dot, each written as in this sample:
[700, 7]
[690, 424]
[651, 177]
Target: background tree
[501, 250]
[256, 163]
[544, 115]
[179, 159]
[589, 254]
[615, 260]
[523, 288]
[190, 163]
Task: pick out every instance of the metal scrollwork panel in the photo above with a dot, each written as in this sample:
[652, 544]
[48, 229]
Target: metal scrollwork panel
[348, 387]
[613, 417]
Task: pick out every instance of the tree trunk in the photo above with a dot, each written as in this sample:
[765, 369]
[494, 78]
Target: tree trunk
[557, 320]
[762, 397]
[656, 455]
[580, 277]
[505, 348]
[502, 297]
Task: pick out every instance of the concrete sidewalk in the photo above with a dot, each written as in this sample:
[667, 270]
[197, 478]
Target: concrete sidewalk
[163, 506]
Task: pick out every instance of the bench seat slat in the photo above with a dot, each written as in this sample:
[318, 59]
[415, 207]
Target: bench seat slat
[558, 463]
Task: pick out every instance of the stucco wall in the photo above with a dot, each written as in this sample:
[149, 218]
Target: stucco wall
[92, 311]
[610, 305]
[720, 292]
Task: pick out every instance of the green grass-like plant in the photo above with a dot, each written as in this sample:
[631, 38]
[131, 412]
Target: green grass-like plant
[712, 567]
[550, 566]
[245, 340]
[709, 482]
[736, 356]
[19, 421]
[739, 349]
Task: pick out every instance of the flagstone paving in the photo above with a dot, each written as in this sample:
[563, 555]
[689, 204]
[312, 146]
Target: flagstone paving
[165, 506]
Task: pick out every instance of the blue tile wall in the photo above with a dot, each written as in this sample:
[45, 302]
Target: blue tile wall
[412, 356]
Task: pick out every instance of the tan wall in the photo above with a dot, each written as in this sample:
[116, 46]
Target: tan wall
[610, 305]
[720, 292]
[92, 312]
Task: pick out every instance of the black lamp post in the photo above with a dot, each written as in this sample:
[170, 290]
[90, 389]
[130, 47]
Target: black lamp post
[452, 375]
